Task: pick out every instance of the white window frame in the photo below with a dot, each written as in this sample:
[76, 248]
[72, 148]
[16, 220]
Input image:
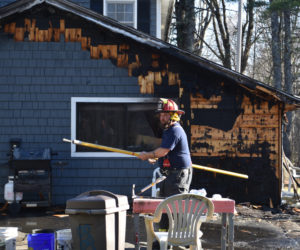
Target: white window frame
[122, 1]
[75, 100]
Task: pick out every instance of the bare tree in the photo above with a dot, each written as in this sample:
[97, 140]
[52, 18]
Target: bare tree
[185, 23]
[282, 9]
[203, 16]
[276, 48]
[221, 31]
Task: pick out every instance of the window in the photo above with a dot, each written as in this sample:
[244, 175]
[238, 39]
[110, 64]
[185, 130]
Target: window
[125, 123]
[124, 11]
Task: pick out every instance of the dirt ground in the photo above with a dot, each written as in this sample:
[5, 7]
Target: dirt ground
[265, 228]
[256, 227]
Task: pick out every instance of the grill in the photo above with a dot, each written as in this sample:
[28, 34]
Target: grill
[32, 175]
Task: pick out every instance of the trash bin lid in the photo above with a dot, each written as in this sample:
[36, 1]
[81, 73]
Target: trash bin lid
[98, 200]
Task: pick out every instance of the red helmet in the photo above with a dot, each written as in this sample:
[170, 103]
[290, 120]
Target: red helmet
[168, 105]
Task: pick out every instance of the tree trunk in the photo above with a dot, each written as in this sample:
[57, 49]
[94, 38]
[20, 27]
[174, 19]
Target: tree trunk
[288, 80]
[249, 34]
[185, 24]
[221, 29]
[203, 17]
[276, 49]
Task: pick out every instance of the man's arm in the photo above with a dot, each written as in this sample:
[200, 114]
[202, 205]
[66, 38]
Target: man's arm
[157, 153]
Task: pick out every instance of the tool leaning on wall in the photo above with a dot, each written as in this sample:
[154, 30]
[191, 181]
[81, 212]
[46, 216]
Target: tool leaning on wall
[122, 151]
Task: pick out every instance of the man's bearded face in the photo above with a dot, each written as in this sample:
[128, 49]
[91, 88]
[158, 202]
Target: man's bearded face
[164, 119]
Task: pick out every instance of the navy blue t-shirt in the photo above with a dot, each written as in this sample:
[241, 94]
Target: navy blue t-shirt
[175, 139]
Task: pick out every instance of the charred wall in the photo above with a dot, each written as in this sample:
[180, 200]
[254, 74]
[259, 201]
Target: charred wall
[237, 131]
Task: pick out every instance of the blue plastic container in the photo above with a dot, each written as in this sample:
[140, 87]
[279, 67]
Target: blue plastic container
[41, 241]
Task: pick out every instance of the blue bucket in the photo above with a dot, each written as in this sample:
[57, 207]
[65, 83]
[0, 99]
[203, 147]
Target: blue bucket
[41, 241]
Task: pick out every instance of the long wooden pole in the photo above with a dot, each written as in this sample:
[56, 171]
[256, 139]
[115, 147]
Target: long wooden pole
[220, 171]
[92, 145]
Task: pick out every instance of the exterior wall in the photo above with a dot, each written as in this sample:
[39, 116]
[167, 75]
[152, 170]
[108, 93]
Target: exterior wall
[37, 80]
[153, 18]
[86, 4]
[245, 138]
[83, 3]
[5, 2]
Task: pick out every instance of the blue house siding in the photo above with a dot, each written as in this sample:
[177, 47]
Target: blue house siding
[5, 2]
[153, 18]
[37, 82]
[83, 3]
[87, 4]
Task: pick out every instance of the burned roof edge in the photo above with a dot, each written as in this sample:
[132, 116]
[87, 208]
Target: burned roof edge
[238, 78]
[116, 27]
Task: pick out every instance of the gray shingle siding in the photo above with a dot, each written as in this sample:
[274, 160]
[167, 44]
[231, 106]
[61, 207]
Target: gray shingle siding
[37, 82]
[153, 18]
[5, 2]
[83, 3]
[86, 4]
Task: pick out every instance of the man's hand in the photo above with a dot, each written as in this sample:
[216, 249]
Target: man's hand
[143, 156]
[152, 160]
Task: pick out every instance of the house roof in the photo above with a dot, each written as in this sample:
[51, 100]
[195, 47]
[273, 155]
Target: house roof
[290, 101]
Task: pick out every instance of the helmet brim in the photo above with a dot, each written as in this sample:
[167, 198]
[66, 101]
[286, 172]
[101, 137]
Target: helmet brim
[179, 112]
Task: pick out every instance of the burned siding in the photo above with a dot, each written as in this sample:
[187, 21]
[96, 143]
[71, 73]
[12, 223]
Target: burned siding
[234, 130]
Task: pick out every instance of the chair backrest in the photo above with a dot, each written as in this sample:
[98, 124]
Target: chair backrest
[186, 212]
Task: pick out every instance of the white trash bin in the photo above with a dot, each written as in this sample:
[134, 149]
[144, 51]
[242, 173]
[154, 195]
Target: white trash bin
[8, 238]
[64, 239]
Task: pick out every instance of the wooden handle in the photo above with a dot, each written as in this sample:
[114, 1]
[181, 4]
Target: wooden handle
[92, 145]
[220, 171]
[122, 151]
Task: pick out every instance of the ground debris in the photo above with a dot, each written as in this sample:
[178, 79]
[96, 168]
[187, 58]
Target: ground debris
[284, 212]
[272, 228]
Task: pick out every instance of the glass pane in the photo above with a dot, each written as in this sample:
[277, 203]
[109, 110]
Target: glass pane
[129, 7]
[111, 7]
[111, 15]
[100, 124]
[120, 17]
[134, 127]
[129, 17]
[141, 134]
[120, 7]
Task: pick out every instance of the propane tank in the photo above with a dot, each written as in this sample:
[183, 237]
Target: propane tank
[9, 195]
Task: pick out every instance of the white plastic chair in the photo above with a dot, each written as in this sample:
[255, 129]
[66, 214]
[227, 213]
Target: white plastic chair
[186, 212]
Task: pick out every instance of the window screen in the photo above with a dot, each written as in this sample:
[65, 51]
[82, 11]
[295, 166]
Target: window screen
[130, 126]
[122, 12]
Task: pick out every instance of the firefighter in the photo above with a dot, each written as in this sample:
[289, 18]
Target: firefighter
[173, 154]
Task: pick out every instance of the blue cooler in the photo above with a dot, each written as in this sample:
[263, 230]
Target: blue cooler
[41, 241]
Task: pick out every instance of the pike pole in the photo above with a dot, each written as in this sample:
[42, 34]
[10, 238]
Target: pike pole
[117, 150]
